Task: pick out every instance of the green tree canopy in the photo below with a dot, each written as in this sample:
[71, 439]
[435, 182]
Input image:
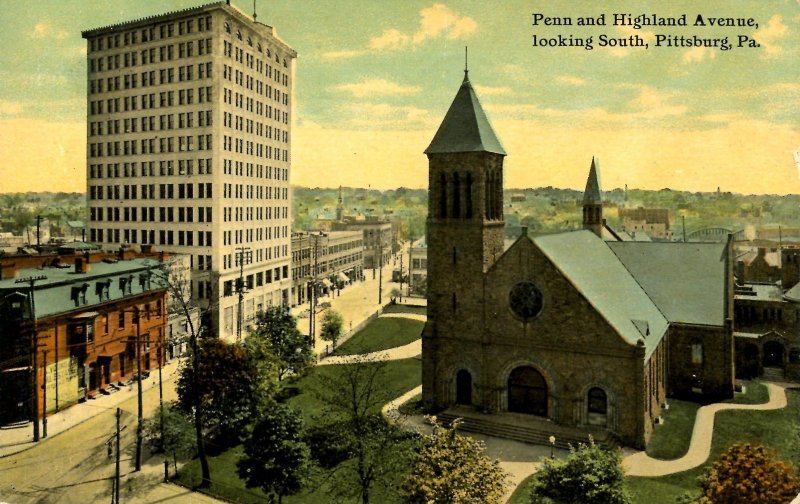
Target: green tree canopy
[277, 343]
[453, 469]
[276, 459]
[332, 326]
[226, 388]
[178, 441]
[590, 474]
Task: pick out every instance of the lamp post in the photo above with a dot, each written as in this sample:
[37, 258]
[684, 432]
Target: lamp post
[552, 447]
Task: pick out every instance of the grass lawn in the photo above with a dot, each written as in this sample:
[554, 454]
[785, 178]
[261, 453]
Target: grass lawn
[522, 494]
[773, 429]
[399, 308]
[383, 333]
[398, 377]
[671, 439]
[755, 392]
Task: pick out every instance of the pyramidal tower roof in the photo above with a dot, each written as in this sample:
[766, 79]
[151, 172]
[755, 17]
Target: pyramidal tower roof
[465, 127]
[592, 195]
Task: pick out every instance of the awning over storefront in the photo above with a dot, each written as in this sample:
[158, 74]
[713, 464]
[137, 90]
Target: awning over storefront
[325, 282]
[110, 350]
[343, 277]
[86, 315]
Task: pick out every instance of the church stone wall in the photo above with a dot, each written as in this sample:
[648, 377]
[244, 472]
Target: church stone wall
[712, 377]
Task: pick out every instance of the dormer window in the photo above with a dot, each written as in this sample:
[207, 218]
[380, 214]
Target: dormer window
[102, 289]
[78, 294]
[125, 285]
[144, 281]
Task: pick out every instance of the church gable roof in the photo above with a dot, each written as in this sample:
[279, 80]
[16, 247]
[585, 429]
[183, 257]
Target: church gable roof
[685, 280]
[592, 194]
[465, 127]
[589, 265]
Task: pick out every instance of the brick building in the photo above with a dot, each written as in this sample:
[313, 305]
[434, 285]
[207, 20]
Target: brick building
[87, 315]
[337, 256]
[566, 329]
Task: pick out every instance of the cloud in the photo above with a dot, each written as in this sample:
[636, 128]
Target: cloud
[770, 34]
[337, 55]
[655, 103]
[45, 30]
[436, 21]
[698, 54]
[570, 80]
[493, 90]
[628, 31]
[377, 87]
[381, 116]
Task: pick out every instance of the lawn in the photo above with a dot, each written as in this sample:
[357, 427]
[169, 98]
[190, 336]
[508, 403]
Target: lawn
[755, 392]
[399, 308]
[383, 333]
[398, 377]
[772, 428]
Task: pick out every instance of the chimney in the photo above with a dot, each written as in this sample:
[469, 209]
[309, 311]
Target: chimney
[80, 265]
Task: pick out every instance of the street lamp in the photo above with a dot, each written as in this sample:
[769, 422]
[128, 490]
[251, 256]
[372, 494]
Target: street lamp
[552, 446]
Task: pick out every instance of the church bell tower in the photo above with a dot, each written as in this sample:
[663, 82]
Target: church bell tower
[465, 226]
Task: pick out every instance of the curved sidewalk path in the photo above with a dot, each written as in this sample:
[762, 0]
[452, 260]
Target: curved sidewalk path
[641, 464]
[397, 353]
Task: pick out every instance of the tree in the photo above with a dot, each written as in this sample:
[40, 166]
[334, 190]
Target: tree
[276, 459]
[395, 294]
[224, 381]
[357, 444]
[747, 473]
[453, 469]
[176, 276]
[276, 339]
[332, 326]
[178, 441]
[590, 474]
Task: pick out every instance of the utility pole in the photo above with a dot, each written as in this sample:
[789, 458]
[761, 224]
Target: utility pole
[116, 471]
[401, 272]
[243, 254]
[312, 322]
[38, 233]
[380, 266]
[31, 281]
[138, 466]
[44, 395]
[161, 360]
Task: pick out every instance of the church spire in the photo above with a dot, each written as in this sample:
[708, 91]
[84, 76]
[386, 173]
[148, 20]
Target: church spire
[593, 202]
[465, 127]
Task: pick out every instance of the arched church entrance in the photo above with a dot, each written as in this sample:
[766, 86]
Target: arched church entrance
[773, 354]
[527, 391]
[463, 387]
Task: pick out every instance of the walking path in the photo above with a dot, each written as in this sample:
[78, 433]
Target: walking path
[397, 353]
[640, 464]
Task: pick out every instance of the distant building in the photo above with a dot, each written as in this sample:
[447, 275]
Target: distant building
[337, 257]
[652, 221]
[377, 235]
[91, 313]
[418, 278]
[188, 142]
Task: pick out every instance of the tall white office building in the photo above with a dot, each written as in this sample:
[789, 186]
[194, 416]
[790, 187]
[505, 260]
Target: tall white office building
[188, 150]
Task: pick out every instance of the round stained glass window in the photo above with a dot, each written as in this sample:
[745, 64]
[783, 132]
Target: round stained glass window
[525, 300]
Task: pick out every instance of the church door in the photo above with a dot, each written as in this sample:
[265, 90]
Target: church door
[527, 391]
[463, 387]
[773, 354]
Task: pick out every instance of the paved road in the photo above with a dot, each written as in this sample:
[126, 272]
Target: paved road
[73, 467]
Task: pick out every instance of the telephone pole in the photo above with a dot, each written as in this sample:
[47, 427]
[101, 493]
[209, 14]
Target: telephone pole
[162, 359]
[44, 394]
[380, 266]
[243, 255]
[138, 466]
[116, 471]
[31, 281]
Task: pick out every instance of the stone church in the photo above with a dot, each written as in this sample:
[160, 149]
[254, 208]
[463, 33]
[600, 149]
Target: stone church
[567, 329]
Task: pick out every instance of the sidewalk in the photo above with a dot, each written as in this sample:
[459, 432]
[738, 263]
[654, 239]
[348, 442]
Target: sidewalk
[356, 302]
[20, 438]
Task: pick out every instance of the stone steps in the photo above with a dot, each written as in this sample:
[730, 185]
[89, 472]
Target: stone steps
[773, 374]
[531, 434]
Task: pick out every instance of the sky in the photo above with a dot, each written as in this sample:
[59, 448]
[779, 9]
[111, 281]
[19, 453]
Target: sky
[375, 78]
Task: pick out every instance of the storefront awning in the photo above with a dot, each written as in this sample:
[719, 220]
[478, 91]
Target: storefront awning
[343, 277]
[86, 315]
[325, 282]
[111, 349]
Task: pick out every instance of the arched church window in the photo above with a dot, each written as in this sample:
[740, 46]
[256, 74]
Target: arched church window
[468, 203]
[443, 196]
[697, 353]
[456, 196]
[597, 406]
[463, 387]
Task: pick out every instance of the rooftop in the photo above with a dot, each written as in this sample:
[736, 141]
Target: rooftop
[465, 127]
